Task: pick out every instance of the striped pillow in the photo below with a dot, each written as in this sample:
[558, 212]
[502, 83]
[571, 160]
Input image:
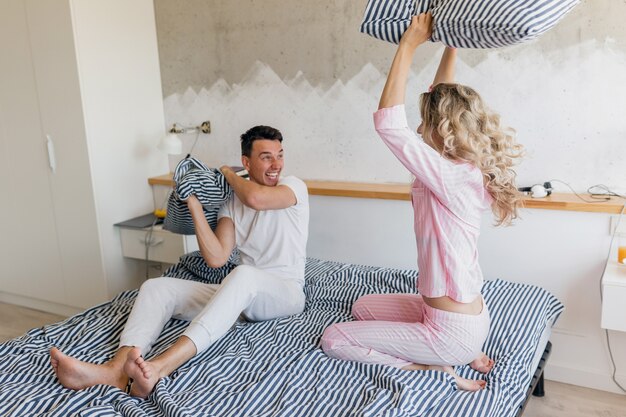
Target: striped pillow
[207, 184]
[467, 23]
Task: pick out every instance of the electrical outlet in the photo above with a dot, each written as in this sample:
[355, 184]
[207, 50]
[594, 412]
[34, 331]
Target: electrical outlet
[621, 231]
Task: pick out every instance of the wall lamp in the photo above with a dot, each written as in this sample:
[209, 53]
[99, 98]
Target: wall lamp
[171, 142]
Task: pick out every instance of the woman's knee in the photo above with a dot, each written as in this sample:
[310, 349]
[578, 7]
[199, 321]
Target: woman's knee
[332, 339]
[360, 310]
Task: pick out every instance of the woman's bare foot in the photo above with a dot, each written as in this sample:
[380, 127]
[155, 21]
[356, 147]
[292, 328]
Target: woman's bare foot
[482, 364]
[76, 374]
[462, 383]
[144, 374]
[415, 367]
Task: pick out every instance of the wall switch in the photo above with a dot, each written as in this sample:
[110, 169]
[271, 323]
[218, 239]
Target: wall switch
[621, 231]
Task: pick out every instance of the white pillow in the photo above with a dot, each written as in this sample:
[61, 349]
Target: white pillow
[467, 23]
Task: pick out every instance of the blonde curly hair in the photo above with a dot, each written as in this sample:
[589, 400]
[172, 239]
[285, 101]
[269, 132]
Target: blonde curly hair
[457, 124]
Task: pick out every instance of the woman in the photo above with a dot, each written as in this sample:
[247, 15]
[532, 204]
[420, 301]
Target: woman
[462, 168]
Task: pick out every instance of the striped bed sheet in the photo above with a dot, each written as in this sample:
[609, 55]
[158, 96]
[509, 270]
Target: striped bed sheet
[276, 368]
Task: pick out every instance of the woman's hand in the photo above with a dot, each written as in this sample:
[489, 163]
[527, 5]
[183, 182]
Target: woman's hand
[419, 31]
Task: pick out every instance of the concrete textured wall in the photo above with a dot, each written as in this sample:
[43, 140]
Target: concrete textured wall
[201, 41]
[305, 68]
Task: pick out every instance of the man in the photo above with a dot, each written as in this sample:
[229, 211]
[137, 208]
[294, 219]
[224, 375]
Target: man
[267, 219]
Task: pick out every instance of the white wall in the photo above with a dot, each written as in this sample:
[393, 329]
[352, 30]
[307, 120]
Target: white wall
[120, 82]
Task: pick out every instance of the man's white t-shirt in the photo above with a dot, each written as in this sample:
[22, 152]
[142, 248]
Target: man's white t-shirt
[273, 240]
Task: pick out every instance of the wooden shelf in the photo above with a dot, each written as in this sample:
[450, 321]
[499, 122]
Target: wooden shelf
[556, 201]
[570, 202]
[359, 190]
[165, 179]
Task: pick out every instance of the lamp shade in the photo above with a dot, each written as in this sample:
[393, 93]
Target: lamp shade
[171, 144]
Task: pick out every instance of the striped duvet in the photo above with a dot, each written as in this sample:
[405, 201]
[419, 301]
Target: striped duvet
[276, 368]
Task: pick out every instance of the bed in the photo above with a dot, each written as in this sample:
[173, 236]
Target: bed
[276, 368]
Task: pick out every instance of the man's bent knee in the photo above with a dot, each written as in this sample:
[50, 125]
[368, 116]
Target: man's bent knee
[155, 284]
[242, 275]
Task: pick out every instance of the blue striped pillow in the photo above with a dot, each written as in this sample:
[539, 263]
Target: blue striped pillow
[207, 184]
[467, 23]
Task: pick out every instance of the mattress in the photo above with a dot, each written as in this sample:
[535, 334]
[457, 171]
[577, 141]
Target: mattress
[543, 341]
[276, 368]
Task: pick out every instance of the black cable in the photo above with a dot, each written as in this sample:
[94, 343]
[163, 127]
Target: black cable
[148, 239]
[148, 242]
[194, 144]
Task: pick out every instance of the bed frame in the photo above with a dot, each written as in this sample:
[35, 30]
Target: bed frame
[536, 387]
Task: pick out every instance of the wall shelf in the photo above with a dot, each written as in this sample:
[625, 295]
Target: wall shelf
[556, 201]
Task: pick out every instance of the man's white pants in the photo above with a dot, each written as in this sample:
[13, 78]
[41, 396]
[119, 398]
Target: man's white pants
[211, 309]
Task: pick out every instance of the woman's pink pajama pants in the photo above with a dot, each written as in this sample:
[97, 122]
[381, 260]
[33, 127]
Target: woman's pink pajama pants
[400, 329]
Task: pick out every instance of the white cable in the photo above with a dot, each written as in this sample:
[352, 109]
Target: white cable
[606, 191]
[606, 331]
[602, 200]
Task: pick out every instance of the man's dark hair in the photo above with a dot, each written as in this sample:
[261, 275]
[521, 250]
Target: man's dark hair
[256, 133]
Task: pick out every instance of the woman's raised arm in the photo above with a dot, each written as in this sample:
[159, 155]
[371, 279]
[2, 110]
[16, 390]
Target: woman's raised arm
[395, 88]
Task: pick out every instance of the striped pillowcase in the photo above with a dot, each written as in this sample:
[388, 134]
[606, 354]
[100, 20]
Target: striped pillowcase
[467, 23]
[207, 184]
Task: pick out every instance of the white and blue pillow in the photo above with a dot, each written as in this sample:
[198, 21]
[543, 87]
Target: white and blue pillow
[191, 176]
[467, 23]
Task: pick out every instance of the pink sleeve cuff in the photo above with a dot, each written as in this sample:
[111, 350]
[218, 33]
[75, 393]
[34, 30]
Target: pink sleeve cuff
[391, 118]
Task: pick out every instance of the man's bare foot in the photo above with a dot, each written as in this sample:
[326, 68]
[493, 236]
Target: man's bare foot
[462, 383]
[144, 374]
[76, 374]
[482, 364]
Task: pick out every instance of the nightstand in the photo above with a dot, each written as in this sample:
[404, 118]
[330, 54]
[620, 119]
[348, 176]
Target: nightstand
[161, 245]
[614, 297]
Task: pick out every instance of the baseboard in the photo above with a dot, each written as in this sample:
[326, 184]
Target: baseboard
[35, 304]
[584, 377]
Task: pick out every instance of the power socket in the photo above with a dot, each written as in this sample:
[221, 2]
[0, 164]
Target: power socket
[621, 231]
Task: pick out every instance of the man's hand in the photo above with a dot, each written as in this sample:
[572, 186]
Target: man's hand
[257, 196]
[215, 247]
[419, 31]
[193, 203]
